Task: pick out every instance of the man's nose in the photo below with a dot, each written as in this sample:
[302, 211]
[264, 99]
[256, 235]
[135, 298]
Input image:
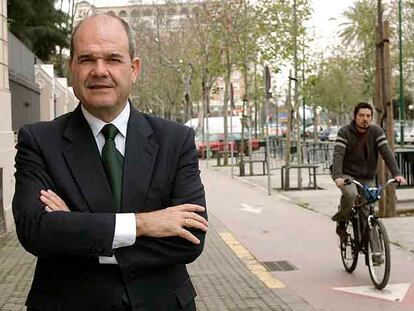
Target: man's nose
[100, 68]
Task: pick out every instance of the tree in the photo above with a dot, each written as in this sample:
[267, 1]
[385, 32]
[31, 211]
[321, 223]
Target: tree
[168, 53]
[336, 86]
[38, 25]
[277, 30]
[358, 35]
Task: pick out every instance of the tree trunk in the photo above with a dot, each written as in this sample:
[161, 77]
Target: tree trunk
[379, 105]
[390, 191]
[296, 94]
[288, 132]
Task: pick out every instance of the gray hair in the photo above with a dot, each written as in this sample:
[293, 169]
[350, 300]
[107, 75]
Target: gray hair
[130, 33]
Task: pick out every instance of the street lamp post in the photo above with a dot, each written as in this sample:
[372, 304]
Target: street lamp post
[401, 115]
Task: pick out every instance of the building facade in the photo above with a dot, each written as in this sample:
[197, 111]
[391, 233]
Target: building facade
[7, 140]
[167, 15]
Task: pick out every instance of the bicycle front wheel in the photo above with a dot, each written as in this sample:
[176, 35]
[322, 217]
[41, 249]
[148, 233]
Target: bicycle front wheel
[349, 250]
[379, 254]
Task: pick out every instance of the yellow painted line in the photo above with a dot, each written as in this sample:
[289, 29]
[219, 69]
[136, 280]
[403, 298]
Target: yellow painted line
[250, 261]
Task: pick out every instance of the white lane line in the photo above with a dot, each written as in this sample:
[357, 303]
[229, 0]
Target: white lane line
[250, 209]
[393, 292]
[250, 261]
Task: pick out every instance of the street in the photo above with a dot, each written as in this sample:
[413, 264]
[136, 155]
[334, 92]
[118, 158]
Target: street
[275, 228]
[250, 231]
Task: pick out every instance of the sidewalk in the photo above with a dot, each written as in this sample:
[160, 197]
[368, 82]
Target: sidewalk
[326, 199]
[222, 280]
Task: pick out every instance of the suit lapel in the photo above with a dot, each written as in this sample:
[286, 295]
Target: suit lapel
[84, 161]
[140, 154]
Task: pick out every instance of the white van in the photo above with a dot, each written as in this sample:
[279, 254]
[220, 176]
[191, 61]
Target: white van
[216, 124]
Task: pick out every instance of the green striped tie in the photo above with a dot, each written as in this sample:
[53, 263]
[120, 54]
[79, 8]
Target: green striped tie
[113, 163]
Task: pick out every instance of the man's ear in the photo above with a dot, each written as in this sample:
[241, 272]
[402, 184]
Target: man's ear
[135, 68]
[69, 63]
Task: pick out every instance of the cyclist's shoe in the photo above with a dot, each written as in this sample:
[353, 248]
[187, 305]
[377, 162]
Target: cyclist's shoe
[338, 217]
[377, 259]
[341, 231]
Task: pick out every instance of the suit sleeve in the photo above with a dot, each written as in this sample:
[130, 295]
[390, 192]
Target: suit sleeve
[55, 234]
[187, 188]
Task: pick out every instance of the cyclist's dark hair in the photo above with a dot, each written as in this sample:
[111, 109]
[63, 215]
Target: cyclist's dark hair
[362, 105]
[130, 33]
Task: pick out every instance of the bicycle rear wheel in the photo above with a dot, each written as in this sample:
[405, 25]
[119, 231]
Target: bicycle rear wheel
[349, 250]
[379, 254]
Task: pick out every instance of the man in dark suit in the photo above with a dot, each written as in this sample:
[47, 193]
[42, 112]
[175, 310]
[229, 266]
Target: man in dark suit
[109, 199]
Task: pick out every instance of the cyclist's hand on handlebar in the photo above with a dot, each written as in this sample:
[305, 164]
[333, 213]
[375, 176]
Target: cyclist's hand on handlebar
[401, 180]
[340, 182]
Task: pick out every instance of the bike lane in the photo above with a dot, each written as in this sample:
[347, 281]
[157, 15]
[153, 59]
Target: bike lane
[277, 231]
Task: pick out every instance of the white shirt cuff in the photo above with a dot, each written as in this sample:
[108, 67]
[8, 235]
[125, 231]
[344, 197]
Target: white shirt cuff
[125, 230]
[125, 235]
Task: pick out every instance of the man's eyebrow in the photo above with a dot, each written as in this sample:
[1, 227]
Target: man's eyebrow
[85, 55]
[106, 55]
[114, 55]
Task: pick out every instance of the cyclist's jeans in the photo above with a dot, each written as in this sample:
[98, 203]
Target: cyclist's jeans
[349, 193]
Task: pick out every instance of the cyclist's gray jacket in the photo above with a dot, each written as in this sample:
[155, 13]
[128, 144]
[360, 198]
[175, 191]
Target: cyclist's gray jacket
[349, 157]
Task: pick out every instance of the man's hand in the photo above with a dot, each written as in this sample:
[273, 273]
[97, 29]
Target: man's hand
[340, 182]
[53, 202]
[172, 221]
[401, 180]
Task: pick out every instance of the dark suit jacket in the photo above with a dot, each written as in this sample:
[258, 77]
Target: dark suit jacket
[160, 170]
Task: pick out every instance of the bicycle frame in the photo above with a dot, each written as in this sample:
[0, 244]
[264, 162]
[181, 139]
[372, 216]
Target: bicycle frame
[357, 212]
[362, 225]
[367, 234]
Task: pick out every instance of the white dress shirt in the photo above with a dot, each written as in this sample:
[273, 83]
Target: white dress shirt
[125, 223]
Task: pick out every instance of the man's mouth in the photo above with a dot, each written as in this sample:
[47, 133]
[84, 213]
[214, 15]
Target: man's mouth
[96, 86]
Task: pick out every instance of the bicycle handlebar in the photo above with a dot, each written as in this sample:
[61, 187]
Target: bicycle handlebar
[371, 194]
[349, 181]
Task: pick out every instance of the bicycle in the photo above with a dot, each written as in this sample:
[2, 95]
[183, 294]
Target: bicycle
[367, 235]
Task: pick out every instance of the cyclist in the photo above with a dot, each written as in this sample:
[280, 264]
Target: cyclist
[356, 157]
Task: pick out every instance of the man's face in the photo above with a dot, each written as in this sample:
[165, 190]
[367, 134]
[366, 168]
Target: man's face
[101, 69]
[363, 119]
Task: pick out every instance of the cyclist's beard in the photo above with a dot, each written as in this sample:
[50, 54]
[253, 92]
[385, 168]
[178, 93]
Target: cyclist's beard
[362, 127]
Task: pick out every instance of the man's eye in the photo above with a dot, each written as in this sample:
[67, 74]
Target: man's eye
[114, 61]
[85, 61]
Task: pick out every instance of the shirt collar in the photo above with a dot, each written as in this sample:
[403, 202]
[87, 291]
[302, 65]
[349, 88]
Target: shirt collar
[96, 125]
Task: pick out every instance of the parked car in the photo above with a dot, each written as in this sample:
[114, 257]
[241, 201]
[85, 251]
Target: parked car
[216, 142]
[408, 134]
[333, 133]
[277, 130]
[329, 134]
[309, 130]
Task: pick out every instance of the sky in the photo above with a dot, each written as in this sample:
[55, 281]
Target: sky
[326, 20]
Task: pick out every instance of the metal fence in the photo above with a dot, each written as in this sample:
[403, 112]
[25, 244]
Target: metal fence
[316, 153]
[405, 160]
[25, 93]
